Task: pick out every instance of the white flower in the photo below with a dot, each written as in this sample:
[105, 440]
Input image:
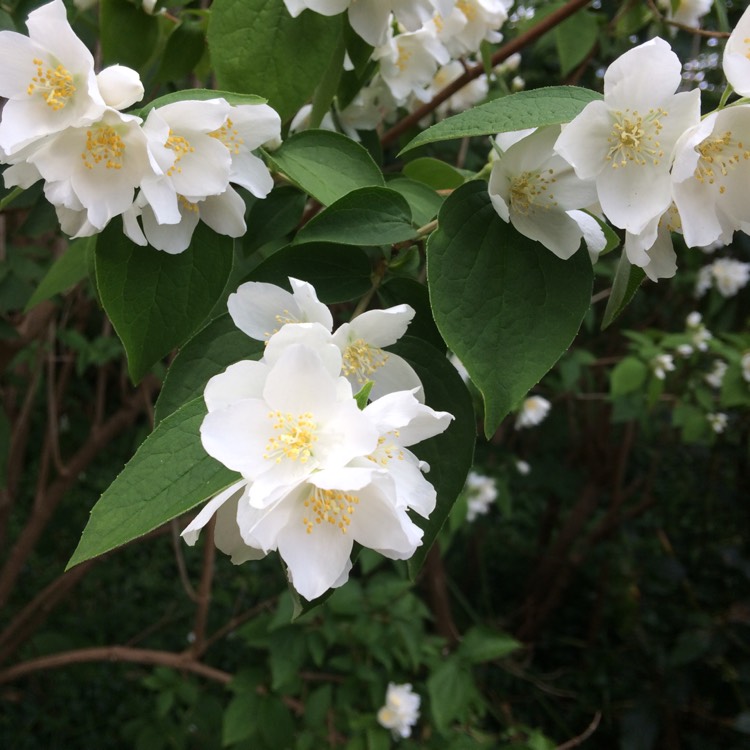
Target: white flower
[745, 365]
[408, 62]
[48, 79]
[736, 61]
[625, 142]
[661, 364]
[95, 168]
[699, 334]
[259, 309]
[718, 421]
[533, 412]
[517, 83]
[466, 97]
[481, 493]
[652, 249]
[715, 378]
[120, 86]
[726, 274]
[688, 12]
[523, 468]
[710, 175]
[361, 342]
[470, 23]
[401, 710]
[684, 350]
[536, 190]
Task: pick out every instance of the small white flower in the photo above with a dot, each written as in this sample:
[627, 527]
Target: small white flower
[685, 350]
[715, 378]
[523, 468]
[736, 60]
[699, 334]
[729, 276]
[745, 365]
[481, 493]
[652, 249]
[625, 142]
[120, 86]
[688, 12]
[401, 710]
[533, 412]
[718, 421]
[517, 83]
[661, 364]
[48, 79]
[470, 23]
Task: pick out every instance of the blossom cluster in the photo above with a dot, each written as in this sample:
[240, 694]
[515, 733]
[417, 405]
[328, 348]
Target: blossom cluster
[64, 124]
[319, 469]
[420, 47]
[401, 710]
[641, 157]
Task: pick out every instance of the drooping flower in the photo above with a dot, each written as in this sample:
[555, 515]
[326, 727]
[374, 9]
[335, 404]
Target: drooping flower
[533, 411]
[481, 493]
[401, 710]
[710, 175]
[48, 79]
[538, 192]
[736, 59]
[625, 142]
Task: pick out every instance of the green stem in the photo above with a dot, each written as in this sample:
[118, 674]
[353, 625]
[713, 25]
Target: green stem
[12, 195]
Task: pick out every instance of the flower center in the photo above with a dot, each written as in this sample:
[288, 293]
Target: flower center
[467, 9]
[180, 146]
[529, 189]
[103, 146]
[55, 86]
[634, 139]
[294, 437]
[329, 506]
[718, 156]
[187, 205]
[403, 58]
[386, 451]
[229, 136]
[360, 359]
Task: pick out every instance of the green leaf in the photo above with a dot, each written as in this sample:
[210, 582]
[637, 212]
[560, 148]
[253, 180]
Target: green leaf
[326, 165]
[339, 273]
[526, 109]
[481, 644]
[362, 396]
[257, 47]
[423, 200]
[506, 305]
[155, 300]
[274, 217]
[169, 474]
[397, 291]
[434, 173]
[627, 280]
[240, 719]
[367, 216]
[70, 268]
[627, 376]
[200, 95]
[208, 353]
[575, 37]
[184, 50]
[127, 34]
[444, 391]
[451, 690]
[326, 89]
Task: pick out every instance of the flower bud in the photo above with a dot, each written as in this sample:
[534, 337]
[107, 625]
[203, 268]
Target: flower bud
[120, 86]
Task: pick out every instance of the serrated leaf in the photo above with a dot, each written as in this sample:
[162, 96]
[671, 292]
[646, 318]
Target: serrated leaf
[444, 391]
[627, 376]
[506, 305]
[627, 280]
[326, 165]
[339, 273]
[169, 474]
[208, 353]
[367, 216]
[257, 47]
[70, 268]
[155, 300]
[526, 109]
[451, 689]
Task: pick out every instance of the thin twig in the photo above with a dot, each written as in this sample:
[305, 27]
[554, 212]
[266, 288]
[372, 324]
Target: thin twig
[179, 559]
[684, 27]
[576, 741]
[204, 590]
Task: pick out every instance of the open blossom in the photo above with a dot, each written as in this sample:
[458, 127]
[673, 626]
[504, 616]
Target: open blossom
[736, 59]
[661, 364]
[470, 23]
[726, 274]
[625, 142]
[540, 194]
[48, 79]
[710, 174]
[401, 710]
[652, 249]
[533, 411]
[688, 12]
[718, 421]
[715, 378]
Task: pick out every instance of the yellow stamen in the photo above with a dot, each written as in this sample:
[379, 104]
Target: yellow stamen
[294, 438]
[229, 136]
[329, 506]
[180, 146]
[634, 138]
[103, 146]
[55, 86]
[531, 189]
[360, 359]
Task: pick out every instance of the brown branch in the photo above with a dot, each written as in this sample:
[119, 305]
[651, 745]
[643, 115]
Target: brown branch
[684, 27]
[204, 590]
[576, 741]
[44, 510]
[514, 45]
[238, 620]
[115, 654]
[439, 598]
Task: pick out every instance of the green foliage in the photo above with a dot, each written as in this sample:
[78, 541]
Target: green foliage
[128, 35]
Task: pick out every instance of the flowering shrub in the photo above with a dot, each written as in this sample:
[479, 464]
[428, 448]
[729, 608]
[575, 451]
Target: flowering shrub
[288, 232]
